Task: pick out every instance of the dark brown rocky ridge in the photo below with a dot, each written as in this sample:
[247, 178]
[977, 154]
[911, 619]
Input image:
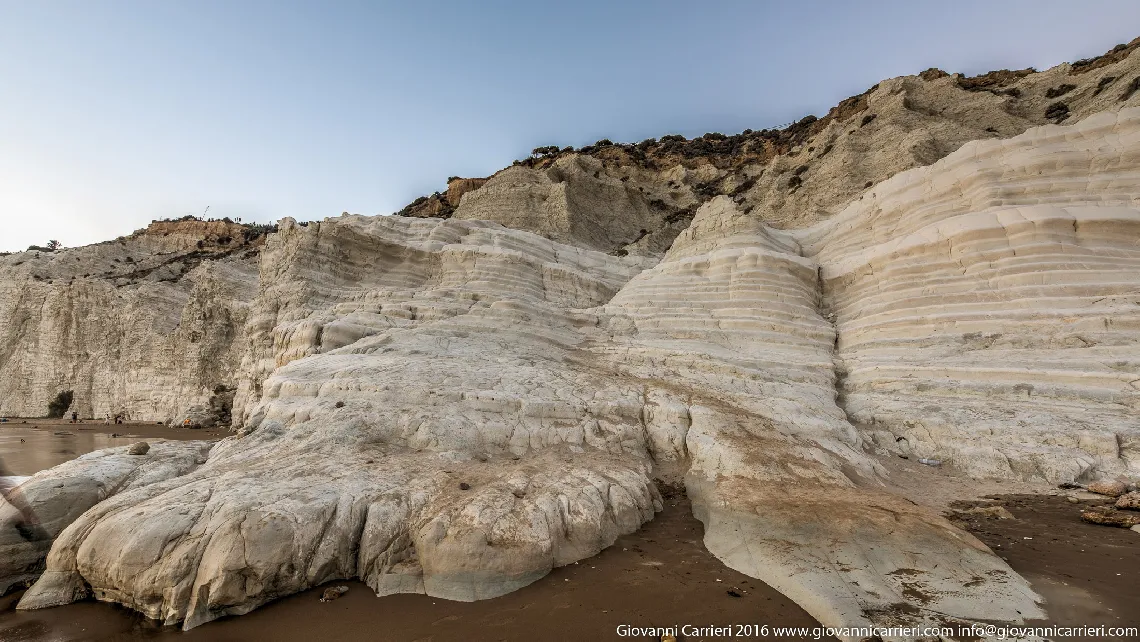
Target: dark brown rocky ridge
[862, 140]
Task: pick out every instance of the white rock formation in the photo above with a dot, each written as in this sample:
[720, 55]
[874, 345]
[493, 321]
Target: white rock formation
[728, 329]
[144, 326]
[913, 121]
[447, 344]
[454, 407]
[61, 494]
[988, 307]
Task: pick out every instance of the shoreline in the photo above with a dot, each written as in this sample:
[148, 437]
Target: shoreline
[153, 429]
[28, 446]
[659, 576]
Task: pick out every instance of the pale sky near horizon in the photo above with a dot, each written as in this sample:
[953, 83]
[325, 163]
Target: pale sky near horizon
[116, 113]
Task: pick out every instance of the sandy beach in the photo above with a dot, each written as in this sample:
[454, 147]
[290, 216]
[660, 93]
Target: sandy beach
[659, 576]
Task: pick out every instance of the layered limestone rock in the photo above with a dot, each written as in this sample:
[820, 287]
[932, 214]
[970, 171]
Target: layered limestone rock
[988, 307]
[144, 326]
[454, 407]
[456, 416]
[726, 336]
[393, 272]
[422, 432]
[913, 121]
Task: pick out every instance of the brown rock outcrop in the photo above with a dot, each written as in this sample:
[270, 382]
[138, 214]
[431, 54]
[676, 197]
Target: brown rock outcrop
[1110, 488]
[457, 187]
[804, 172]
[1108, 516]
[442, 205]
[1129, 501]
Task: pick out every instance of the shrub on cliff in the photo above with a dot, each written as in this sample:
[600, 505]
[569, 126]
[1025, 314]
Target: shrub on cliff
[51, 246]
[1057, 112]
[1060, 90]
[60, 404]
[253, 232]
[1133, 87]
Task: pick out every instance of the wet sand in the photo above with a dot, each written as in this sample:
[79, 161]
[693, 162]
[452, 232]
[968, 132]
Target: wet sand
[660, 576]
[28, 446]
[1087, 573]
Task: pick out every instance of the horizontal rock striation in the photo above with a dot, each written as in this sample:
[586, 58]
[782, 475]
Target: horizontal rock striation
[394, 273]
[455, 407]
[988, 307]
[727, 335]
[421, 432]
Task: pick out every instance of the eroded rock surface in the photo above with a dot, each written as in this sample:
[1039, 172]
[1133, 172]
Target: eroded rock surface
[449, 340]
[58, 496]
[141, 327]
[988, 307]
[455, 407]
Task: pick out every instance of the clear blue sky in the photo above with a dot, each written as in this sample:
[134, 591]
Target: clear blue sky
[116, 113]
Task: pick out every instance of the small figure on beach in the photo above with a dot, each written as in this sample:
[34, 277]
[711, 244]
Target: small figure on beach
[74, 417]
